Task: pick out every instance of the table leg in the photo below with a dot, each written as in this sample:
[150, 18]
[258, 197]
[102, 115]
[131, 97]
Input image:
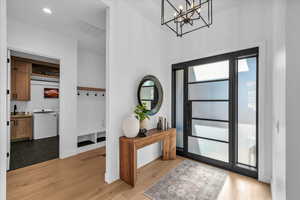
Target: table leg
[128, 166]
[172, 138]
[166, 148]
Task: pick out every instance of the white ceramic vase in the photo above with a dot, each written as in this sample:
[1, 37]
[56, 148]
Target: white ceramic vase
[131, 126]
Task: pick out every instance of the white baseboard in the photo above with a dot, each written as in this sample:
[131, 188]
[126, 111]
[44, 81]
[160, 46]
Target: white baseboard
[110, 180]
[67, 155]
[264, 179]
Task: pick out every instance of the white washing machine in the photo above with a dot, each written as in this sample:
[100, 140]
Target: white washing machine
[45, 124]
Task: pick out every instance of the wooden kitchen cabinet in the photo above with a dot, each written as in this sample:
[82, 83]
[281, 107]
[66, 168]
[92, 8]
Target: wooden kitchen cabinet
[21, 128]
[20, 80]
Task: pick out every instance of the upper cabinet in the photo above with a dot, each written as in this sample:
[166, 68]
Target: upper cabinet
[43, 69]
[20, 80]
[23, 70]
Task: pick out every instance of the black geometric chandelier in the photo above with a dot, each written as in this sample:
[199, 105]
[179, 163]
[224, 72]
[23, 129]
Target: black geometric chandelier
[186, 16]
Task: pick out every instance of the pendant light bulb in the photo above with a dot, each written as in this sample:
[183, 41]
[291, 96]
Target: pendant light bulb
[180, 7]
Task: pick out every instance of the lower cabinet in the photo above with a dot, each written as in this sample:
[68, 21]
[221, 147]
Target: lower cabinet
[21, 129]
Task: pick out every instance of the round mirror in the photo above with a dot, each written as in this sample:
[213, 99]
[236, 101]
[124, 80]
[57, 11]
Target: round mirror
[150, 93]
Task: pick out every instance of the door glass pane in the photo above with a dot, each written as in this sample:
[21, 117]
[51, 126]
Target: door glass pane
[247, 111]
[210, 110]
[209, 91]
[210, 129]
[179, 108]
[211, 71]
[208, 148]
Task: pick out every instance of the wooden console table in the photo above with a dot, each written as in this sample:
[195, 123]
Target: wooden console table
[129, 147]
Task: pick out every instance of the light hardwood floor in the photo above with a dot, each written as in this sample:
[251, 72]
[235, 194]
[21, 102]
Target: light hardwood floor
[82, 178]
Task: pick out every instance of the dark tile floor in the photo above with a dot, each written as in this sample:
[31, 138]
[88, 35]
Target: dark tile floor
[27, 153]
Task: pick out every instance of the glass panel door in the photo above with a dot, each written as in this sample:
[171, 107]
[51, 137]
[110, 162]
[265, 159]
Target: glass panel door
[246, 112]
[208, 100]
[215, 110]
[179, 111]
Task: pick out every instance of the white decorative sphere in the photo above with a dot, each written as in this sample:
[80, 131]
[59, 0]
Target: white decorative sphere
[131, 126]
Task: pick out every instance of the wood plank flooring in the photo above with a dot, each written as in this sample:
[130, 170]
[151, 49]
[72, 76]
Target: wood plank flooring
[82, 178]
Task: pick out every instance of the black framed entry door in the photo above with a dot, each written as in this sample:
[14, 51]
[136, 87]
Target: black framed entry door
[214, 109]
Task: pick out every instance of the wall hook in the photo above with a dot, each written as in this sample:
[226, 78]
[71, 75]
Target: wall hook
[87, 94]
[96, 94]
[78, 94]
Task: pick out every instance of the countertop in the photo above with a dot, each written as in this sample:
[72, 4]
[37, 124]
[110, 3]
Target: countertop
[20, 115]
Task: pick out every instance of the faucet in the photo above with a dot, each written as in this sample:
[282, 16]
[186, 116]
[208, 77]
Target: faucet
[15, 109]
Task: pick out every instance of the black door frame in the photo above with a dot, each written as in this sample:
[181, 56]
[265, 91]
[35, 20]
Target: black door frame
[233, 57]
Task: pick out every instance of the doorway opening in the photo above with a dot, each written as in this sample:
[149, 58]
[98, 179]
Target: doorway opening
[215, 110]
[33, 109]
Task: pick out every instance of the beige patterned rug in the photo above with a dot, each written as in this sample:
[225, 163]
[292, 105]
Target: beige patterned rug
[190, 180]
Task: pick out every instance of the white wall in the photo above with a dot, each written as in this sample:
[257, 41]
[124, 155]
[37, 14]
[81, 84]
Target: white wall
[91, 68]
[292, 100]
[31, 39]
[138, 48]
[37, 100]
[238, 25]
[279, 95]
[90, 109]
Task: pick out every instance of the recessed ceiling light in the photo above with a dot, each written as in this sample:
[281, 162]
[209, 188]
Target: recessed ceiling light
[47, 11]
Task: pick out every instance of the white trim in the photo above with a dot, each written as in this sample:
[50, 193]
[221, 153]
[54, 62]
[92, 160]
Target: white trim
[263, 175]
[8, 108]
[109, 60]
[3, 99]
[35, 53]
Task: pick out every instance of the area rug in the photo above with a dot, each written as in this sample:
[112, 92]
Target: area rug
[190, 180]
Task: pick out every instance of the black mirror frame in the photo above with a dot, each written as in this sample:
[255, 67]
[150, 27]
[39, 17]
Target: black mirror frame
[159, 89]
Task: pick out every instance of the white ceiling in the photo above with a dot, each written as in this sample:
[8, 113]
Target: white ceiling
[81, 19]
